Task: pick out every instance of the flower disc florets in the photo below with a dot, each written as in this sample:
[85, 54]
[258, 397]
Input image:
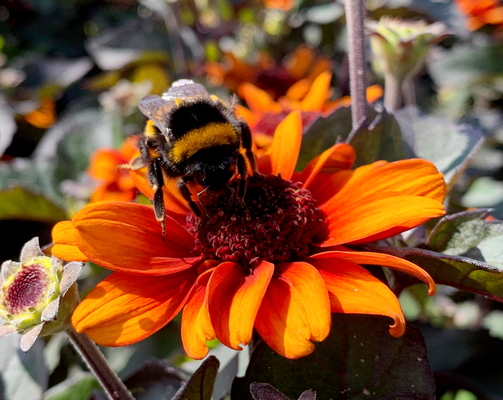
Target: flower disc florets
[275, 222]
[30, 293]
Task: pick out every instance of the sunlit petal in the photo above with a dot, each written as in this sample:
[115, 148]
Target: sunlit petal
[286, 146]
[124, 309]
[294, 311]
[354, 290]
[386, 260]
[234, 299]
[196, 324]
[126, 237]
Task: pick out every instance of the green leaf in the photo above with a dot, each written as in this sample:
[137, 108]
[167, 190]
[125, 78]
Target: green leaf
[78, 387]
[465, 65]
[21, 204]
[463, 273]
[446, 144]
[155, 380]
[381, 140]
[359, 360]
[461, 231]
[23, 375]
[200, 384]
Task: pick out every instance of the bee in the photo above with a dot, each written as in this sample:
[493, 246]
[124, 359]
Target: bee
[193, 137]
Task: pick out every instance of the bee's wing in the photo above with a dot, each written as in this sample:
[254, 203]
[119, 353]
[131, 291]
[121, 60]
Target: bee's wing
[154, 107]
[185, 89]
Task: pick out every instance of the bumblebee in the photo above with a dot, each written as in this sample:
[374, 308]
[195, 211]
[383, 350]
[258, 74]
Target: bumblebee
[194, 138]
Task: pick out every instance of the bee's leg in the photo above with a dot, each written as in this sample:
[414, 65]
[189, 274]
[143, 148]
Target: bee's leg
[242, 170]
[246, 138]
[156, 180]
[185, 192]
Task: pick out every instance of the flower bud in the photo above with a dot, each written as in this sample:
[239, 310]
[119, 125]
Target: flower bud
[31, 291]
[400, 47]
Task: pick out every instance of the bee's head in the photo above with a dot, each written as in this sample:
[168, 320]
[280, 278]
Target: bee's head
[214, 176]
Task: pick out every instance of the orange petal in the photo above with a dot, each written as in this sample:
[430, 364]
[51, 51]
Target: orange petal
[375, 217]
[234, 298]
[339, 156]
[414, 177]
[111, 192]
[103, 165]
[65, 237]
[386, 260]
[318, 94]
[294, 311]
[354, 290]
[124, 309]
[299, 90]
[299, 62]
[258, 99]
[126, 237]
[196, 324]
[285, 147]
[250, 117]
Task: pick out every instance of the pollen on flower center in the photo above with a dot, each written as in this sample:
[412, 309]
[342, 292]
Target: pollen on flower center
[275, 222]
[26, 290]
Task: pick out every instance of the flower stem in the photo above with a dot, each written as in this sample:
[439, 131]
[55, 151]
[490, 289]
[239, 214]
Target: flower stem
[355, 14]
[96, 362]
[393, 97]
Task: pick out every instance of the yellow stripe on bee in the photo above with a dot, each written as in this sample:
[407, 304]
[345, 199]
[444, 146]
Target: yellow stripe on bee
[213, 134]
[150, 129]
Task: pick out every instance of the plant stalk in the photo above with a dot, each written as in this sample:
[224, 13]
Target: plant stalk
[355, 16]
[97, 364]
[393, 95]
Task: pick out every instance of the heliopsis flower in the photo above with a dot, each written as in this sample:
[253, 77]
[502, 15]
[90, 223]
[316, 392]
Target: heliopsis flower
[295, 75]
[481, 12]
[115, 184]
[31, 293]
[264, 113]
[281, 261]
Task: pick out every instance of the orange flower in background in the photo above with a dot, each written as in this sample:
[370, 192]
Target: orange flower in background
[481, 12]
[280, 263]
[264, 113]
[115, 184]
[296, 74]
[44, 116]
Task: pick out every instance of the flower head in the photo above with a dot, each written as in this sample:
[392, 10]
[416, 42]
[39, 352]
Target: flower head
[115, 184]
[280, 261]
[31, 292]
[295, 75]
[310, 98]
[400, 46]
[481, 12]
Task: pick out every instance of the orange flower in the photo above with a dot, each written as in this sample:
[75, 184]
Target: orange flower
[43, 117]
[296, 74]
[481, 12]
[115, 184]
[280, 263]
[312, 100]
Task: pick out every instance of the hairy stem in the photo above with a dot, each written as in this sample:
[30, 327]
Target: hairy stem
[97, 364]
[355, 14]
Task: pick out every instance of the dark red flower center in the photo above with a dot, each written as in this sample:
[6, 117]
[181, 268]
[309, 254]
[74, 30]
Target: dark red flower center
[26, 290]
[275, 222]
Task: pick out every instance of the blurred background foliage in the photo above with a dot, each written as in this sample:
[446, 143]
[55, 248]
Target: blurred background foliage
[72, 73]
